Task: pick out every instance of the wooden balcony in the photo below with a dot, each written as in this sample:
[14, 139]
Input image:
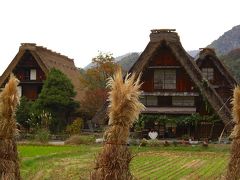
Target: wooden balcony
[31, 82]
[164, 67]
[169, 110]
[169, 93]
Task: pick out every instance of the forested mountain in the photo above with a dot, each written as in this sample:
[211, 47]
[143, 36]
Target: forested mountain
[232, 61]
[227, 48]
[227, 42]
[128, 61]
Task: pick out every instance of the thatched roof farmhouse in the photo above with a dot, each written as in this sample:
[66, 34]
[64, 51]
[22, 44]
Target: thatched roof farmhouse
[31, 65]
[173, 82]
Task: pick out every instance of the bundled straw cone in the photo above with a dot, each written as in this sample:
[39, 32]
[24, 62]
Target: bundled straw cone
[233, 171]
[9, 167]
[124, 108]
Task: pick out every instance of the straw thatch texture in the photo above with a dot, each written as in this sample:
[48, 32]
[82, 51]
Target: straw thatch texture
[234, 163]
[9, 167]
[46, 59]
[124, 108]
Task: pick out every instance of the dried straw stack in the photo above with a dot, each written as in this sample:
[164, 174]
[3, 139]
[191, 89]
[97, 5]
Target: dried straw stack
[233, 171]
[9, 167]
[124, 108]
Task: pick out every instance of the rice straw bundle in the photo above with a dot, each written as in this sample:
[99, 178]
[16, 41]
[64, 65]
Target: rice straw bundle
[9, 167]
[124, 108]
[233, 171]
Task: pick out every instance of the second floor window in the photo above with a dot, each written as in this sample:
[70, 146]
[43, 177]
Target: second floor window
[208, 73]
[33, 74]
[149, 100]
[165, 79]
[30, 74]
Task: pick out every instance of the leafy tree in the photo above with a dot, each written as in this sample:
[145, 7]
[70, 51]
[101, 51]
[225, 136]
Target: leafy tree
[57, 98]
[94, 81]
[23, 112]
[103, 67]
[92, 101]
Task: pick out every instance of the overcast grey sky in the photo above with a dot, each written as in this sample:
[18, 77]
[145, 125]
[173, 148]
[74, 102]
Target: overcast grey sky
[79, 29]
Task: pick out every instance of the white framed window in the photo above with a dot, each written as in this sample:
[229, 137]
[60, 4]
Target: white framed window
[183, 101]
[19, 90]
[151, 100]
[33, 74]
[208, 73]
[165, 79]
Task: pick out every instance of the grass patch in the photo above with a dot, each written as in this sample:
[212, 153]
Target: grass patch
[37, 159]
[218, 148]
[179, 163]
[74, 162]
[26, 151]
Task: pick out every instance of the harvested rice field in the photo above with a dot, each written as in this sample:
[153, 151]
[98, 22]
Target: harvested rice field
[75, 162]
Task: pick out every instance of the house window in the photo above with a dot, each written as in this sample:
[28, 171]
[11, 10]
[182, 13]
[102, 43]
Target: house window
[208, 73]
[183, 101]
[33, 74]
[165, 79]
[149, 100]
[152, 100]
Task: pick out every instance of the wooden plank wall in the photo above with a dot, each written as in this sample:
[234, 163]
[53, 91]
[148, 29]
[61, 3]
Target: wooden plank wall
[164, 57]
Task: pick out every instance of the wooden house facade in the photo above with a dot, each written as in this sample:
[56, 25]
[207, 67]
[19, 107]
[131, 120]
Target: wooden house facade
[31, 65]
[175, 85]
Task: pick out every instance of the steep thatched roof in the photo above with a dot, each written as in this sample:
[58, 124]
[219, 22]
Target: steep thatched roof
[46, 59]
[210, 55]
[169, 38]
